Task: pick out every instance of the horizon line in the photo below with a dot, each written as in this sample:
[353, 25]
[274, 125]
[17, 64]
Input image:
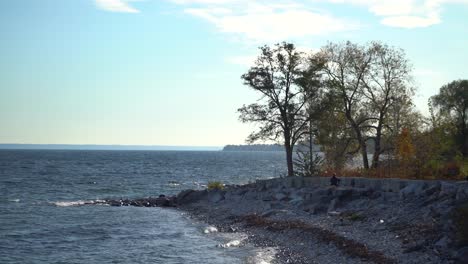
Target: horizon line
[105, 147]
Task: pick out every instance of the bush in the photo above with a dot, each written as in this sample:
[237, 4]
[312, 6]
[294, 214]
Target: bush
[216, 185]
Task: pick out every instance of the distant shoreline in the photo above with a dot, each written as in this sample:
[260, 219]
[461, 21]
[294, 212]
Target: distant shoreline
[105, 147]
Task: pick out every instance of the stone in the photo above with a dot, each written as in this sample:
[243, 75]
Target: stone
[161, 201]
[249, 195]
[281, 197]
[269, 213]
[190, 196]
[462, 256]
[447, 189]
[432, 189]
[315, 208]
[462, 194]
[215, 196]
[414, 188]
[333, 205]
[342, 193]
[442, 243]
[297, 201]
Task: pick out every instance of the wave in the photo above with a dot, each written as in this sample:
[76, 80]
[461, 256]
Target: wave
[173, 183]
[77, 203]
[263, 256]
[232, 243]
[210, 229]
[14, 200]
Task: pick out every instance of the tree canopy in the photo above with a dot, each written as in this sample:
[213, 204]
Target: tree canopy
[283, 78]
[452, 102]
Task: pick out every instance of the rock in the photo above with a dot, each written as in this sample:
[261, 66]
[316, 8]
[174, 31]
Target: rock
[412, 189]
[442, 243]
[115, 203]
[462, 256]
[315, 208]
[447, 189]
[342, 193]
[298, 201]
[333, 205]
[334, 213]
[267, 197]
[190, 196]
[269, 213]
[250, 195]
[215, 196]
[321, 192]
[162, 202]
[432, 189]
[184, 193]
[462, 194]
[281, 197]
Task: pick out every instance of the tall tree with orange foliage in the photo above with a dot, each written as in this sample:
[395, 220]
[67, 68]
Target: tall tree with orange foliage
[405, 150]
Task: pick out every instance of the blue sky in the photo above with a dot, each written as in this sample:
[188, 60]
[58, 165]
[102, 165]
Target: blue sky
[167, 72]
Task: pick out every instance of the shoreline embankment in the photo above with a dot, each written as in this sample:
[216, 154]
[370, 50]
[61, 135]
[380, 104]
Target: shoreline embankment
[362, 220]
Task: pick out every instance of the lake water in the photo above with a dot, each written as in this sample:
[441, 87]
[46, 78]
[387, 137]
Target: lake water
[41, 220]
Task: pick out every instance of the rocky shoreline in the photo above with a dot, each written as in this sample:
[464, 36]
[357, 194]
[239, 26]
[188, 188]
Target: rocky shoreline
[361, 221]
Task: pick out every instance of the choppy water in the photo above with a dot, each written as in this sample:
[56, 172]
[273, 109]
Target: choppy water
[41, 220]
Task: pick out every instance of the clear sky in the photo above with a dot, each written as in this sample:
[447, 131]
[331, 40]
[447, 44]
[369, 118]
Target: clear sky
[167, 72]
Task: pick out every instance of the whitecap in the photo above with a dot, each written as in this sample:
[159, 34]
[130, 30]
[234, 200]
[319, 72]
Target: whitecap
[77, 203]
[262, 256]
[232, 243]
[174, 184]
[210, 229]
[14, 200]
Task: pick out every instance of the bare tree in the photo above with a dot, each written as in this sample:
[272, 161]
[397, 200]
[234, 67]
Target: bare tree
[279, 74]
[387, 83]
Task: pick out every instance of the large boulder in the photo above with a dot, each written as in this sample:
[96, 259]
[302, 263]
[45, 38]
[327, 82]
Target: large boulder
[415, 188]
[190, 196]
[342, 193]
[462, 194]
[333, 205]
[448, 189]
[215, 196]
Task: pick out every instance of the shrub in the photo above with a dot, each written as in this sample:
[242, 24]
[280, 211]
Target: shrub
[216, 185]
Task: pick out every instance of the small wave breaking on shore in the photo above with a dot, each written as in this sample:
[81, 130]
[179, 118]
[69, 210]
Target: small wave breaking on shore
[78, 203]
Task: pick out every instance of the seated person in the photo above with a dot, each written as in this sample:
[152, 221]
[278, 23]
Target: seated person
[334, 181]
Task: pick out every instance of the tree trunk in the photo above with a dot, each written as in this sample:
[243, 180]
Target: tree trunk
[289, 158]
[377, 147]
[376, 156]
[464, 135]
[289, 152]
[365, 160]
[360, 139]
[311, 154]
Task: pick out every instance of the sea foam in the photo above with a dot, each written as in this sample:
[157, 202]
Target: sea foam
[210, 229]
[77, 203]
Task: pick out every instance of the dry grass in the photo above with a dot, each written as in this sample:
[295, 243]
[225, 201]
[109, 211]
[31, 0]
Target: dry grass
[215, 185]
[394, 172]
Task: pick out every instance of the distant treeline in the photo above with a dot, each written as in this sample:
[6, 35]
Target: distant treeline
[254, 147]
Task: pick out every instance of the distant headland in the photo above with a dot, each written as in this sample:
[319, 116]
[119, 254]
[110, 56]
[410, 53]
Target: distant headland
[254, 147]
